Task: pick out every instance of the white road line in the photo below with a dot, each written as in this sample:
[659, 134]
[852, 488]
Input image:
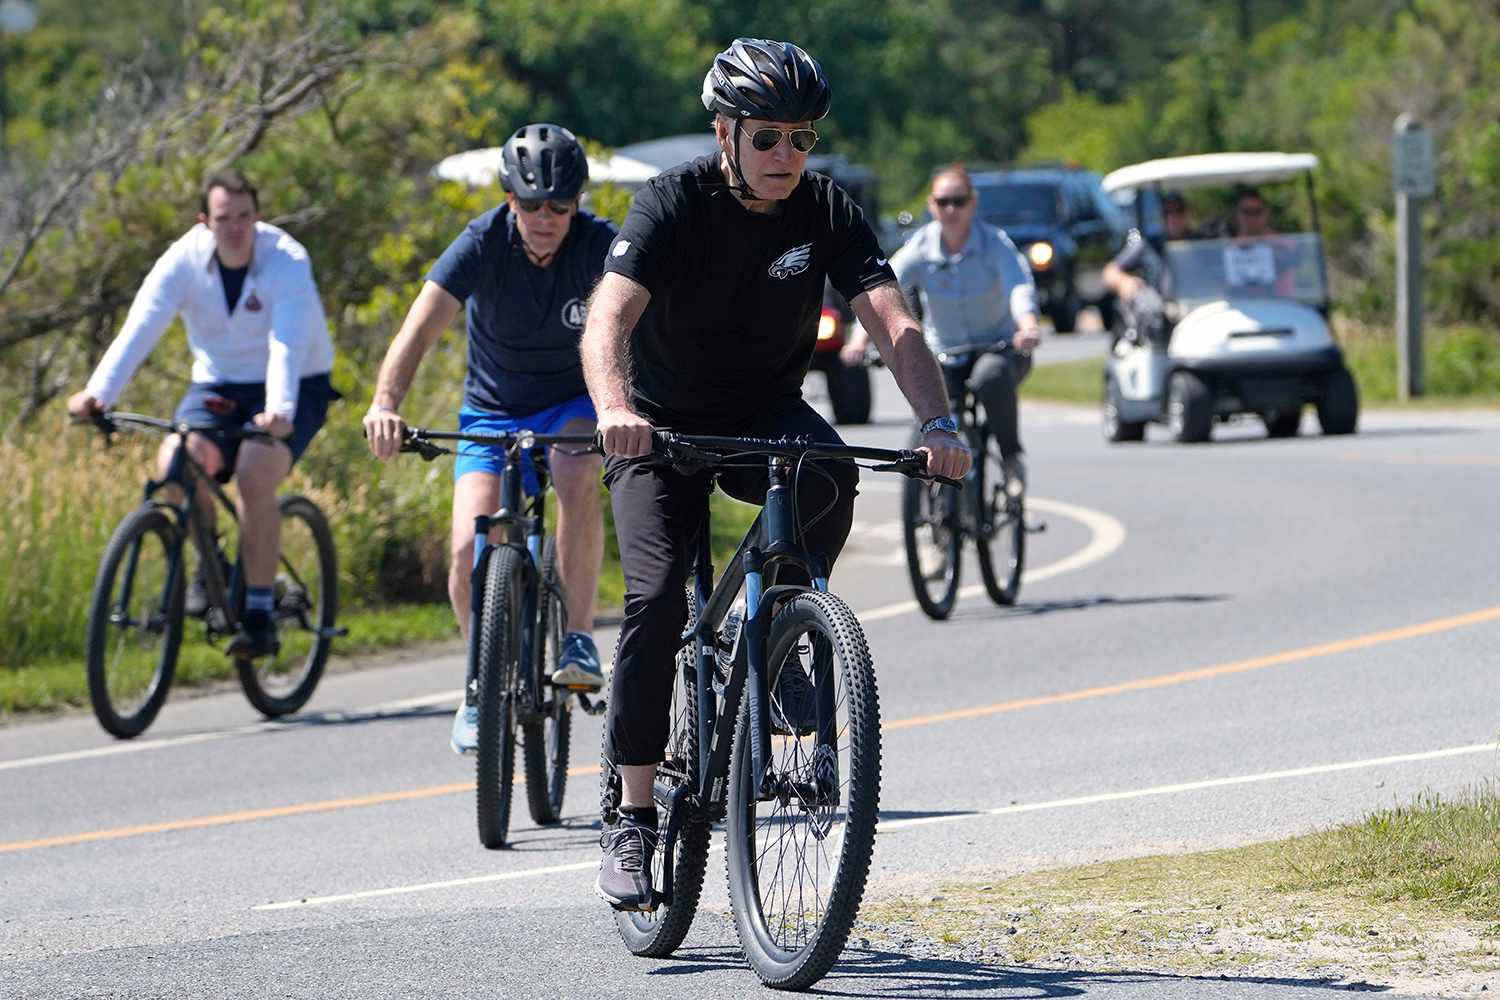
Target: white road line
[890, 826]
[1107, 535]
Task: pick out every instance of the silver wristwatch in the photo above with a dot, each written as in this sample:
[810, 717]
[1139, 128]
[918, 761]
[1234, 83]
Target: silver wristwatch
[943, 423]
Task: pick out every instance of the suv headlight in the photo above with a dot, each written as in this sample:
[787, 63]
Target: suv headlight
[1040, 255]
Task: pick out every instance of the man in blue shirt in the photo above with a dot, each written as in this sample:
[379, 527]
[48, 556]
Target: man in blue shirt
[525, 269]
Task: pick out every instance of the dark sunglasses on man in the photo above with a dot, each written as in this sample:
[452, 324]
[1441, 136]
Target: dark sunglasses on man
[533, 205]
[767, 139]
[953, 201]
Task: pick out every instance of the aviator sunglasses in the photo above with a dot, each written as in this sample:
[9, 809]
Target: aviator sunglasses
[766, 139]
[533, 205]
[954, 201]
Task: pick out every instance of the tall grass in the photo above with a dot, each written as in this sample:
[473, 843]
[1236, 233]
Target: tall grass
[1459, 362]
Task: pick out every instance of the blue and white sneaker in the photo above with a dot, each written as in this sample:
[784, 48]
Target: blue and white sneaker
[578, 666]
[465, 735]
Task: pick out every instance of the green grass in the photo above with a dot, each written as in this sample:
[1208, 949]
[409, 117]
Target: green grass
[1065, 381]
[1409, 891]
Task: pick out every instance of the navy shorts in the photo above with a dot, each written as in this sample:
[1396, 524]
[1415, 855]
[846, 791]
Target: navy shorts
[314, 393]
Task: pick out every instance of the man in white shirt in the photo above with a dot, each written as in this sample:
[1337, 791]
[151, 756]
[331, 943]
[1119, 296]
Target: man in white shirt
[261, 355]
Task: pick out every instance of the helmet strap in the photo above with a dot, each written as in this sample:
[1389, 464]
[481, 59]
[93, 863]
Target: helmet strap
[743, 187]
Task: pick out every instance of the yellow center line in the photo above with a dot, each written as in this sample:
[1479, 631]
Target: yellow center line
[1103, 691]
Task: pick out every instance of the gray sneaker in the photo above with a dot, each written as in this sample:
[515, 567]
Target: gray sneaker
[578, 666]
[624, 880]
[465, 735]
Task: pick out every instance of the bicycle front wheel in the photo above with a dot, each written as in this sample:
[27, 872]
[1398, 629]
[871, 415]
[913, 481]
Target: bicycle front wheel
[546, 740]
[934, 539]
[499, 674]
[135, 622]
[1001, 538]
[799, 856]
[307, 604]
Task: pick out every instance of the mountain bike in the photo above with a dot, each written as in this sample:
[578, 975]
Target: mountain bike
[989, 508]
[799, 798]
[136, 613]
[517, 619]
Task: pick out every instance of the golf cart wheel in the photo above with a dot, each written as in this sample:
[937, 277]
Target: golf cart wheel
[1190, 408]
[1282, 423]
[1064, 315]
[1115, 429]
[1338, 410]
[849, 392]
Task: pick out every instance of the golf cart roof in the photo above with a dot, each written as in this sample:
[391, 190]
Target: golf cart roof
[1211, 169]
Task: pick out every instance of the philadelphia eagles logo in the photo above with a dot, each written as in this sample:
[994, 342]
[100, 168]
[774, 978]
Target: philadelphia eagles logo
[794, 261]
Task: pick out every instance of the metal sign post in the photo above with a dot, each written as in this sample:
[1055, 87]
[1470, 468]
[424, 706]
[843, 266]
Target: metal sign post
[1414, 177]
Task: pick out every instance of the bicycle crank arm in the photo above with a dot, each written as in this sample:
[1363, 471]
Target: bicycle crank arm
[590, 706]
[335, 632]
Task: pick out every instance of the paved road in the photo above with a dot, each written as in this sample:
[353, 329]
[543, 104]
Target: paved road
[1215, 645]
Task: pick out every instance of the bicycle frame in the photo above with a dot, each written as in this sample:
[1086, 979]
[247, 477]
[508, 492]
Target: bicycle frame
[523, 527]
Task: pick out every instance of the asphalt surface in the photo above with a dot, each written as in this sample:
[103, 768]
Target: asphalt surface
[1214, 645]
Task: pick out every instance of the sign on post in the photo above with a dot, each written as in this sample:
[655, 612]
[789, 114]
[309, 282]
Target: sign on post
[1414, 177]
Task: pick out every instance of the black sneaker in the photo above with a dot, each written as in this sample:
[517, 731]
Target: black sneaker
[256, 637]
[794, 703]
[624, 880]
[195, 603]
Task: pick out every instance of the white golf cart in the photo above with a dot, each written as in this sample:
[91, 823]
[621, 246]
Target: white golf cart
[1246, 318]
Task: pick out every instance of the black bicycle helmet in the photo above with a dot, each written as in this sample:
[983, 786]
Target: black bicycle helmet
[761, 78]
[543, 161]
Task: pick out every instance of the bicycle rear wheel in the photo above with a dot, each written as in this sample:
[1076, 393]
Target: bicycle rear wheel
[499, 669]
[658, 934]
[546, 740]
[307, 603]
[1004, 526]
[135, 622]
[799, 860]
[934, 541]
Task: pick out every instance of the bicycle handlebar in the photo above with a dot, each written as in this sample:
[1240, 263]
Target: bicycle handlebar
[109, 421]
[709, 450]
[423, 442]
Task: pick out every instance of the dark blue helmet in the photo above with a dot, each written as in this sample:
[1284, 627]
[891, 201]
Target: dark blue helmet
[543, 161]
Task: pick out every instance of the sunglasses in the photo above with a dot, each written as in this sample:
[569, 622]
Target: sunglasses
[533, 205]
[956, 201]
[767, 139]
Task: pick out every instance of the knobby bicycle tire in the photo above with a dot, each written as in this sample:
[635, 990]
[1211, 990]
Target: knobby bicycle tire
[272, 692]
[658, 934]
[545, 741]
[499, 665]
[827, 623]
[124, 552]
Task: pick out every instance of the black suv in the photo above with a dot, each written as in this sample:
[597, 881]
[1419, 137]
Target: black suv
[1067, 227]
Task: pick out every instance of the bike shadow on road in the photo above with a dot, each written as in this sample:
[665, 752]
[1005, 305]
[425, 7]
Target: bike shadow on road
[1028, 609]
[877, 973]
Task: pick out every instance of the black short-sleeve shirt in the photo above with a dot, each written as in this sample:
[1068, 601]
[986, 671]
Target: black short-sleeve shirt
[735, 294]
[523, 321]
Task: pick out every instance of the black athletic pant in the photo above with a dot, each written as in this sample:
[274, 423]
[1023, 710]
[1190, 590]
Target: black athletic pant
[994, 379]
[658, 513]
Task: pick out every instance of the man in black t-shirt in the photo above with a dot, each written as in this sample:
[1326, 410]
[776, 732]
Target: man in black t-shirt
[705, 322]
[525, 270]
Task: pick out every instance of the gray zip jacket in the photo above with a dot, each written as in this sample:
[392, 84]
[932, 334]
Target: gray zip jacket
[975, 296]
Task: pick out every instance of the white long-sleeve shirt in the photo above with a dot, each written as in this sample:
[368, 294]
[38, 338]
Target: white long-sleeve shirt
[277, 333]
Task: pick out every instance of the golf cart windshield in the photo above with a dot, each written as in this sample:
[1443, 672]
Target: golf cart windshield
[1283, 266]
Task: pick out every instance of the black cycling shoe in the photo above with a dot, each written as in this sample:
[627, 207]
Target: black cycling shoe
[256, 637]
[624, 880]
[794, 703]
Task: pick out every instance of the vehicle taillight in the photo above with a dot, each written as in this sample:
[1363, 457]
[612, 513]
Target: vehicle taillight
[828, 325]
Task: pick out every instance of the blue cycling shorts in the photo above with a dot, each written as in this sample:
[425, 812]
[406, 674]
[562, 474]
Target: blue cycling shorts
[475, 457]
